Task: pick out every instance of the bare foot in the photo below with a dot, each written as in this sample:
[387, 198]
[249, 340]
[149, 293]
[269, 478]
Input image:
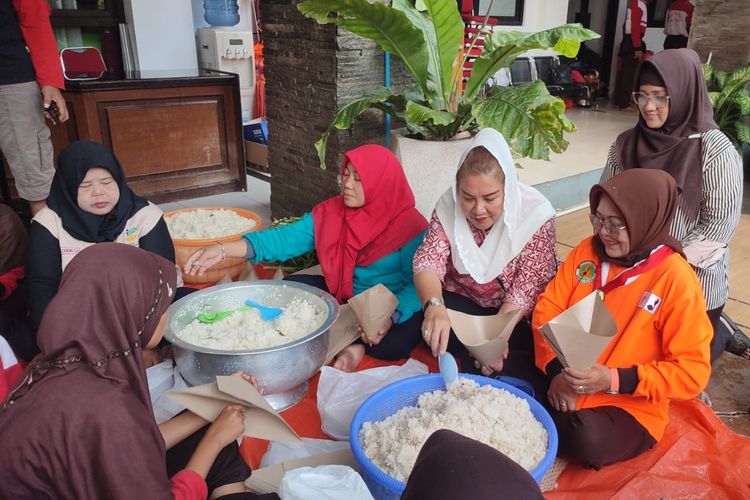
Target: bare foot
[349, 359]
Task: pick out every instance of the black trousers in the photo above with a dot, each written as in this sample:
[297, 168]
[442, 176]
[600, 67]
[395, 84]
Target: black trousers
[675, 42]
[401, 338]
[595, 437]
[721, 338]
[622, 95]
[229, 466]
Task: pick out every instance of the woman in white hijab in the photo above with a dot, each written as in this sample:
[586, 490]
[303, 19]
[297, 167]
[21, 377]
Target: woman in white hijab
[490, 247]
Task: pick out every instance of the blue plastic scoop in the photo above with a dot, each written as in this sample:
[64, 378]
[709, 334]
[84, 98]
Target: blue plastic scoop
[448, 368]
[266, 312]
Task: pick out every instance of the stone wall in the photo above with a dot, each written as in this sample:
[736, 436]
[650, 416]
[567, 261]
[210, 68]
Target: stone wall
[721, 27]
[312, 70]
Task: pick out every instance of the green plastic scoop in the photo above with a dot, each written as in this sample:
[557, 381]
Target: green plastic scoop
[213, 317]
[267, 313]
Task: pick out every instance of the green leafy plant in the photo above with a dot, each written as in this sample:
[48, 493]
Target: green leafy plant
[728, 92]
[428, 37]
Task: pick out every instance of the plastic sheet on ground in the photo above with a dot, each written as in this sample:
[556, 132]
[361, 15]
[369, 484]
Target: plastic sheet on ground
[698, 457]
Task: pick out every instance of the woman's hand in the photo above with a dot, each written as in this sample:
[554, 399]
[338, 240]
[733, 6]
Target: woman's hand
[497, 366]
[436, 329]
[594, 379]
[249, 378]
[381, 333]
[561, 395]
[228, 426]
[203, 258]
[151, 357]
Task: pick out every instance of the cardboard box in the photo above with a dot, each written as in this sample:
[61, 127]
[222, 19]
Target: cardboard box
[256, 131]
[256, 154]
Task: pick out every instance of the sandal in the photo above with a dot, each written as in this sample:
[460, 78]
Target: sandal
[739, 344]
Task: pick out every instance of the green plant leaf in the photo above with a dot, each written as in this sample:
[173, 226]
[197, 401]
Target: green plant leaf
[708, 73]
[720, 77]
[449, 28]
[349, 113]
[506, 45]
[421, 114]
[389, 28]
[743, 102]
[743, 132]
[714, 98]
[421, 21]
[530, 118]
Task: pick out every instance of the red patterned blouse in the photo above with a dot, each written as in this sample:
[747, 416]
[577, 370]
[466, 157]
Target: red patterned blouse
[520, 283]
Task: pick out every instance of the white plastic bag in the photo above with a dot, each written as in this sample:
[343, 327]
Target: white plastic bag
[279, 452]
[324, 482]
[340, 394]
[163, 378]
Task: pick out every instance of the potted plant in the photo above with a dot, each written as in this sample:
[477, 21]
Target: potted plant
[731, 102]
[429, 38]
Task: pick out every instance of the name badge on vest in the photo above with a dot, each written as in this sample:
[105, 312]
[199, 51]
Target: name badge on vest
[649, 302]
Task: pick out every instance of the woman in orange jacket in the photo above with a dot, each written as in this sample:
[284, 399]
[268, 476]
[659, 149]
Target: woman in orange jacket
[618, 408]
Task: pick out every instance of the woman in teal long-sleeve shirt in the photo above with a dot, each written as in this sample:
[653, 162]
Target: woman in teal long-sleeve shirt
[365, 236]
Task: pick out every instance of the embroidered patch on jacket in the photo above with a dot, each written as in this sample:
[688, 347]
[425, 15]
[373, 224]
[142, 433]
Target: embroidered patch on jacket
[131, 235]
[649, 302]
[586, 271]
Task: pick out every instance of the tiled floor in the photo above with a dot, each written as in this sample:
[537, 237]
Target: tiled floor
[257, 199]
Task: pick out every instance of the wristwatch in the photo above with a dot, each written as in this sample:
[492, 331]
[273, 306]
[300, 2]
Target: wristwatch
[434, 301]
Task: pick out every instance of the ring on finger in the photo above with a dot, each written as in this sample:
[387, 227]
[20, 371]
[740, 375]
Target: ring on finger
[426, 334]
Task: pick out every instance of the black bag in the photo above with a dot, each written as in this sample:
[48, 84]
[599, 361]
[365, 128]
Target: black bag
[561, 74]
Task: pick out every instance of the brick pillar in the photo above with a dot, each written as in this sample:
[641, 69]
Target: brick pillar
[721, 26]
[311, 70]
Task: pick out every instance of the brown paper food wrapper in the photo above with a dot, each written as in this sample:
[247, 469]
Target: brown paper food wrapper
[486, 337]
[579, 334]
[343, 332]
[372, 308]
[261, 421]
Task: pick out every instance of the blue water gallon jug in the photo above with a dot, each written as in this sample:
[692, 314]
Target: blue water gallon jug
[221, 12]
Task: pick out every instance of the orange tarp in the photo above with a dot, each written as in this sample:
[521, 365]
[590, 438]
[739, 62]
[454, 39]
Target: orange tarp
[698, 457]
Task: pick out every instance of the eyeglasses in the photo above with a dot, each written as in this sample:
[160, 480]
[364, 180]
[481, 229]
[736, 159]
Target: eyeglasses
[641, 99]
[612, 229]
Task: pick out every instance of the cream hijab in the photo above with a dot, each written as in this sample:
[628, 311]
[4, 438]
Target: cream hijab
[525, 210]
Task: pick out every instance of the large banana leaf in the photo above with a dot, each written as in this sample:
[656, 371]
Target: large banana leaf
[434, 80]
[382, 99]
[449, 28]
[389, 28]
[530, 118]
[503, 47]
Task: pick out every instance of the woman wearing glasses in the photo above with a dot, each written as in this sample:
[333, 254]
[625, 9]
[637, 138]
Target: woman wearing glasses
[618, 408]
[676, 133]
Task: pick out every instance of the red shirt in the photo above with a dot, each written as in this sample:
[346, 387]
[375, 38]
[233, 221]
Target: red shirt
[33, 18]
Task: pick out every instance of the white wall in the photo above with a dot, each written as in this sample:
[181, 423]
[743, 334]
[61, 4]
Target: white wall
[541, 15]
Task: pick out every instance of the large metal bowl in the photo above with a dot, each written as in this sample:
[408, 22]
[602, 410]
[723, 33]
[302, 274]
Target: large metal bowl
[283, 371]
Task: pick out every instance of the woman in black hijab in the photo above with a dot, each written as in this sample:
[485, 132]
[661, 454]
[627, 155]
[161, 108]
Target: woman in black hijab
[89, 202]
[676, 132]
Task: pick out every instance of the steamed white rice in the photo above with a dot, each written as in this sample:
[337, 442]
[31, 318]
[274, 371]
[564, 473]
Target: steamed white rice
[488, 414]
[245, 330]
[204, 224]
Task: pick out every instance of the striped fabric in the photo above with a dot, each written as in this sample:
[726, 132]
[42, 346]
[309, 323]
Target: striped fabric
[719, 213]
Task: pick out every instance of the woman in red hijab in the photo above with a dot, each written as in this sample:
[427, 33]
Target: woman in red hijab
[365, 236]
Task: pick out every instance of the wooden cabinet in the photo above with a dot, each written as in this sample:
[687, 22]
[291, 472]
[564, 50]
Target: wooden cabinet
[175, 137]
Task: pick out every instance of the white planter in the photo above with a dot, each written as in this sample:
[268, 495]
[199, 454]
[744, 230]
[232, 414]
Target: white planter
[430, 166]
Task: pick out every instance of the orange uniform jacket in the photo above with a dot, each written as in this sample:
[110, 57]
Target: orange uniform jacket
[669, 346]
